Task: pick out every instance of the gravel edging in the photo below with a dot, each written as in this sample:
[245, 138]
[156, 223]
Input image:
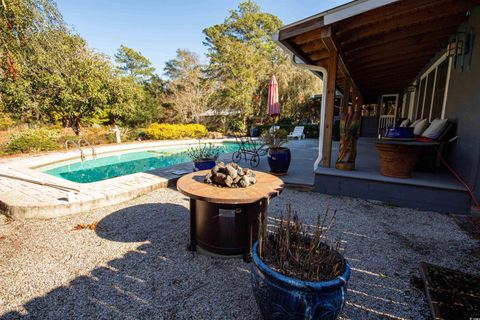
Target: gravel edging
[136, 266]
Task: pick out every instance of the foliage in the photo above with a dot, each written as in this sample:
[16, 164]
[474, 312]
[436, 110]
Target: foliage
[189, 89]
[165, 131]
[134, 64]
[275, 139]
[301, 251]
[243, 58]
[204, 151]
[236, 125]
[24, 30]
[5, 121]
[42, 139]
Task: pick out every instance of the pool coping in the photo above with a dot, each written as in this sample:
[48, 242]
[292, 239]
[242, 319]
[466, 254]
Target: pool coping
[22, 200]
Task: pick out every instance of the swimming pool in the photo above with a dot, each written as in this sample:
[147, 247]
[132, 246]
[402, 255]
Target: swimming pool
[128, 163]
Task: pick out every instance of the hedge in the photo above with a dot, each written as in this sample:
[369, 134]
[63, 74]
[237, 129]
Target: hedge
[310, 130]
[42, 139]
[164, 131]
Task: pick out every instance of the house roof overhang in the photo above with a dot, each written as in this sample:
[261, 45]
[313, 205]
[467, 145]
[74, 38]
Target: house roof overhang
[382, 44]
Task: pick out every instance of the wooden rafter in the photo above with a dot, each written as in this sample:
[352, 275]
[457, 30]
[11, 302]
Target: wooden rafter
[384, 49]
[301, 28]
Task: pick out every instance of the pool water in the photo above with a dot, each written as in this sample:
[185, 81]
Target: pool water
[123, 164]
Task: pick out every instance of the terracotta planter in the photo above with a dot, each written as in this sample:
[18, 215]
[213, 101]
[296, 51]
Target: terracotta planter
[397, 161]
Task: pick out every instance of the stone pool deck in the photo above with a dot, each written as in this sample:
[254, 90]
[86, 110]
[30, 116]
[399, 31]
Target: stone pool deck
[24, 200]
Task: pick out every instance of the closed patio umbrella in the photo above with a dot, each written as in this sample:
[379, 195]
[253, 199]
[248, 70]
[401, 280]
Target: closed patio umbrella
[273, 104]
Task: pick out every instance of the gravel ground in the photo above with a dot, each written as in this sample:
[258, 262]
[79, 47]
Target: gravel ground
[135, 266]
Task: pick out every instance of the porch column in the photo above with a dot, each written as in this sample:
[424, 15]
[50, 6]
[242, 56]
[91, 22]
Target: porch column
[329, 108]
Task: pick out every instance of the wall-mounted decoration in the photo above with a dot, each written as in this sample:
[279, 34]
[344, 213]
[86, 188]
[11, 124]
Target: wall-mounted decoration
[460, 49]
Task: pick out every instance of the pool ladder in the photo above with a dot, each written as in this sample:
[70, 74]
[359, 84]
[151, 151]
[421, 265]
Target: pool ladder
[78, 144]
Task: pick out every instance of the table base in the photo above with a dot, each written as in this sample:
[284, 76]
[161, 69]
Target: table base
[225, 229]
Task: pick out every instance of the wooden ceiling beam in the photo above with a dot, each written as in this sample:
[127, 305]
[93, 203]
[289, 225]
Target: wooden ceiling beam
[295, 50]
[392, 62]
[301, 28]
[405, 46]
[307, 37]
[320, 55]
[420, 34]
[312, 46]
[407, 26]
[396, 10]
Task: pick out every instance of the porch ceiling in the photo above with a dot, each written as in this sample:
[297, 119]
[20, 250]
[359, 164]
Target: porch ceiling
[383, 49]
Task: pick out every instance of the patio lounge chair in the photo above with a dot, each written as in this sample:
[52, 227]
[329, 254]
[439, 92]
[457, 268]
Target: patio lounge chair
[297, 133]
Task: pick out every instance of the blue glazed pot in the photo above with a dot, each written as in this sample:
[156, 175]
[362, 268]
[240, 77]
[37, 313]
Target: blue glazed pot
[203, 165]
[279, 160]
[282, 297]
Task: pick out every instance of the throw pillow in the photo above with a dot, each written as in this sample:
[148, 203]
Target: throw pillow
[435, 129]
[414, 123]
[405, 123]
[420, 127]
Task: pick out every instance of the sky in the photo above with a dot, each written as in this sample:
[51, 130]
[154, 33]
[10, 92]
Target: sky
[157, 28]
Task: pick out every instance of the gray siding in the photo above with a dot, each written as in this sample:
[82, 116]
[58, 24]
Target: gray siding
[463, 107]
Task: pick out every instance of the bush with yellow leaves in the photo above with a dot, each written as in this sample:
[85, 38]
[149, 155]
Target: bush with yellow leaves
[165, 131]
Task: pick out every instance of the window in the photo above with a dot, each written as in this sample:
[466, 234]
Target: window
[440, 87]
[427, 103]
[431, 91]
[418, 114]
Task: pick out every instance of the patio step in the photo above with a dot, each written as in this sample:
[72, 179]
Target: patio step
[429, 191]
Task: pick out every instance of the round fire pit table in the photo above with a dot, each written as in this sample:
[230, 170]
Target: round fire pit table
[225, 220]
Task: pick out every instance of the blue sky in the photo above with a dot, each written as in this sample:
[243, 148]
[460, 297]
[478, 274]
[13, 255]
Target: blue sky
[157, 28]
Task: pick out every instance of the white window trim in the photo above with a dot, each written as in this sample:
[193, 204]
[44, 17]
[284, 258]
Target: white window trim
[433, 67]
[447, 84]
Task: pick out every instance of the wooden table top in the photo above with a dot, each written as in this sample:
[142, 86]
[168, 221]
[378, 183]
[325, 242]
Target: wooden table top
[408, 143]
[192, 185]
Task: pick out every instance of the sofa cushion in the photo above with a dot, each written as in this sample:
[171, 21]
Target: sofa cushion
[420, 127]
[435, 129]
[414, 123]
[405, 123]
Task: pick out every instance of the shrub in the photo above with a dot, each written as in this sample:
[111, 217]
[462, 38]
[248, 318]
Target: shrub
[237, 126]
[164, 131]
[214, 135]
[5, 121]
[29, 140]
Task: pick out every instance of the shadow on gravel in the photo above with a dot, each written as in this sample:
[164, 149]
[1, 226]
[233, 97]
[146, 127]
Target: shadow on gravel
[159, 279]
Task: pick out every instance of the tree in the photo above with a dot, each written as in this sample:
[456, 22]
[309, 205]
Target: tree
[243, 58]
[241, 54]
[134, 64]
[24, 28]
[189, 89]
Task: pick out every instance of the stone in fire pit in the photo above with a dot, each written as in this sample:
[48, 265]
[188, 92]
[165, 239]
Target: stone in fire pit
[230, 175]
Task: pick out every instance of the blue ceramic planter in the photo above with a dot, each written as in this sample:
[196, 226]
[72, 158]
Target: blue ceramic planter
[279, 160]
[282, 297]
[203, 165]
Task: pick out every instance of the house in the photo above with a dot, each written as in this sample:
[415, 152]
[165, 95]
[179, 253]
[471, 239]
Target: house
[413, 59]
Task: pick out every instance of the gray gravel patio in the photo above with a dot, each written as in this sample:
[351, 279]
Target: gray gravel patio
[135, 265]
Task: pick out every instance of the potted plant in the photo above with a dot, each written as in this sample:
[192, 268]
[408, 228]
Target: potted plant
[297, 272]
[204, 155]
[279, 157]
